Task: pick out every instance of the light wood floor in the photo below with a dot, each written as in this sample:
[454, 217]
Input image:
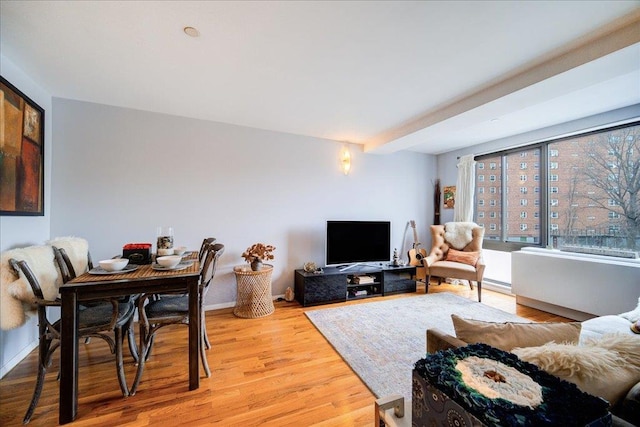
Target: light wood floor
[274, 371]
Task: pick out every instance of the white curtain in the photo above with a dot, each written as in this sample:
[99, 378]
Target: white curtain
[465, 189]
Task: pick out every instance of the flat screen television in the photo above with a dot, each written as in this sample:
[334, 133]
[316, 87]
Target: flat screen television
[355, 242]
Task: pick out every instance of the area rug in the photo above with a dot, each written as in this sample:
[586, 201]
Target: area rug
[382, 340]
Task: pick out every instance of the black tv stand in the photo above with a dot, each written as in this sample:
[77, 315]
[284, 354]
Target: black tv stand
[366, 281]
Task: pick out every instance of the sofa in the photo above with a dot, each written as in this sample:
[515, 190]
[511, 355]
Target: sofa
[584, 337]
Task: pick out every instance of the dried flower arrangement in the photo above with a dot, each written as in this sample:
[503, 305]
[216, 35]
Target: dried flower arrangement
[259, 252]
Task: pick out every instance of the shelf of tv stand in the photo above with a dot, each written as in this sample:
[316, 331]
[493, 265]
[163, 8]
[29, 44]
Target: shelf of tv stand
[332, 284]
[372, 289]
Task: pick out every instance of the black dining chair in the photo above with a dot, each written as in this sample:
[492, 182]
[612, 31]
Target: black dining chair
[156, 313]
[69, 273]
[105, 321]
[206, 243]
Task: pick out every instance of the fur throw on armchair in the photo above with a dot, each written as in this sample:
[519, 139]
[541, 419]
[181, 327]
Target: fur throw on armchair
[16, 295]
[459, 234]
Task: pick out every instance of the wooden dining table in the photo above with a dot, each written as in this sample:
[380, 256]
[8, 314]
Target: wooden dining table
[89, 287]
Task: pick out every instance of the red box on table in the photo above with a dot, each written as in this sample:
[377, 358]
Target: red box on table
[137, 253]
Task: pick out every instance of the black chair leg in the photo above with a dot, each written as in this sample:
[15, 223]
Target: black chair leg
[205, 362]
[131, 338]
[203, 325]
[119, 338]
[479, 291]
[44, 360]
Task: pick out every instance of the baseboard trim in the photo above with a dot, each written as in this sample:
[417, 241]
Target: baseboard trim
[13, 362]
[554, 309]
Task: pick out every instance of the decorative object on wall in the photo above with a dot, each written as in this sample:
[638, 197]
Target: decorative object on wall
[257, 253]
[449, 196]
[436, 203]
[21, 153]
[345, 160]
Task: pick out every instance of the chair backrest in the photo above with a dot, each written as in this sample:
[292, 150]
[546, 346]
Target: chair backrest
[65, 264]
[207, 241]
[440, 246]
[214, 252]
[22, 266]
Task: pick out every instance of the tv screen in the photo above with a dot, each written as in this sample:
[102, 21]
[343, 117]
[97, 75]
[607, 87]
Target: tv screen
[351, 242]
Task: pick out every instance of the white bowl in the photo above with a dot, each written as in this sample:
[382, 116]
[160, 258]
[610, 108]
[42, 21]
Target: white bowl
[115, 264]
[180, 250]
[169, 261]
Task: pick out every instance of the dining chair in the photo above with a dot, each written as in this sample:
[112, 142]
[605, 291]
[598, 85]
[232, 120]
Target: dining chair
[154, 314]
[206, 243]
[97, 321]
[68, 272]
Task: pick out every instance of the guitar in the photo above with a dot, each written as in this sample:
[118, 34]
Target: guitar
[416, 254]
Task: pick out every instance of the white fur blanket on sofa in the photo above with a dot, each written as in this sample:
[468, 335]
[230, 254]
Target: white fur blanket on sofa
[16, 295]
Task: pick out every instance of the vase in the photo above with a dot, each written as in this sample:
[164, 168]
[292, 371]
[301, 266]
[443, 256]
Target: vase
[256, 265]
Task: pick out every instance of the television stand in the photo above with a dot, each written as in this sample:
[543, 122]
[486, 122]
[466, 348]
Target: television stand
[336, 285]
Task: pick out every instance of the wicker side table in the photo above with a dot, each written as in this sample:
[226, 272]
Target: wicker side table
[254, 292]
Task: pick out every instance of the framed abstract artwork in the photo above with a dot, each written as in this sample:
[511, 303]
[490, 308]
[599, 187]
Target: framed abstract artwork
[449, 196]
[21, 153]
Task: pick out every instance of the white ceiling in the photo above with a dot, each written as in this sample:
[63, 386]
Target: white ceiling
[424, 76]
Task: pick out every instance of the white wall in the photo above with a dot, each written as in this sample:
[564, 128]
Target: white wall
[119, 173]
[447, 172]
[20, 231]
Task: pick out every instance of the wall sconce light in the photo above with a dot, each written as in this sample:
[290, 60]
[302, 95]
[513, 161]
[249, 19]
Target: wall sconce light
[345, 160]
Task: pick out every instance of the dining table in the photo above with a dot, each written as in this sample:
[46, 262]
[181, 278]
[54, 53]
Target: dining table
[99, 285]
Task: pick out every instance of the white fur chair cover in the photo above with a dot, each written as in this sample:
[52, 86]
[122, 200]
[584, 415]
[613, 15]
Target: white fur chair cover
[16, 296]
[459, 234]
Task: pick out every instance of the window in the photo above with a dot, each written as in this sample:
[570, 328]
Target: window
[480, 165]
[480, 190]
[511, 169]
[523, 227]
[492, 227]
[492, 214]
[480, 202]
[492, 178]
[480, 178]
[480, 214]
[596, 188]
